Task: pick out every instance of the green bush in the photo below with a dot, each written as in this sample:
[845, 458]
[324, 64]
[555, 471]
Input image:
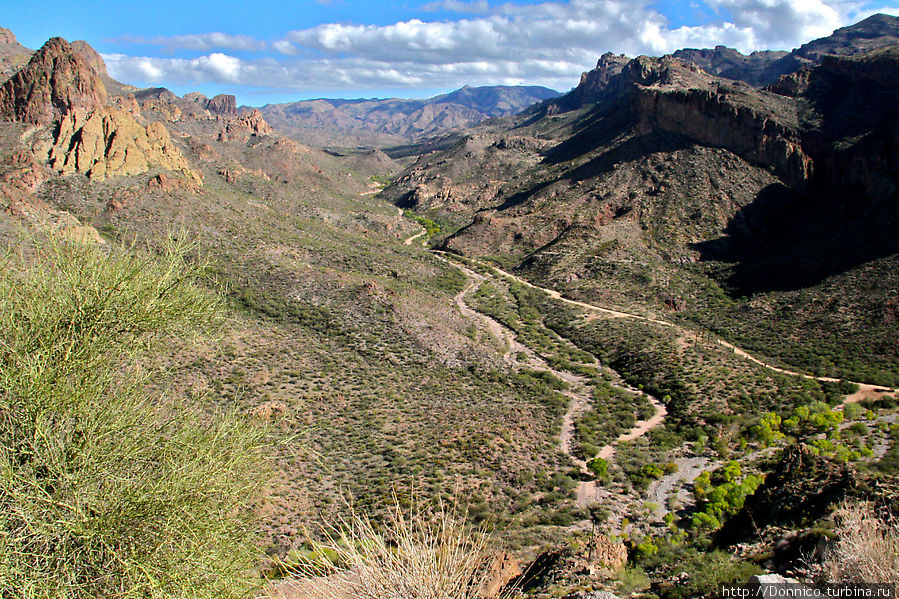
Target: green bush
[599, 467]
[107, 489]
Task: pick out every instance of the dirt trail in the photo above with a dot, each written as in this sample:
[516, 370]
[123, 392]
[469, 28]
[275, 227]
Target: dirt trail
[409, 240]
[578, 393]
[865, 390]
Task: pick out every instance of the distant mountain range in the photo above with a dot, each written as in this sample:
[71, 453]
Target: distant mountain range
[394, 121]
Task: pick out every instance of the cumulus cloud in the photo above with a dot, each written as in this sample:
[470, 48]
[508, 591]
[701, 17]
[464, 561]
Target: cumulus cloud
[459, 6]
[547, 43]
[201, 42]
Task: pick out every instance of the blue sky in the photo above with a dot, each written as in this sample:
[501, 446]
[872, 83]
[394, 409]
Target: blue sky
[280, 51]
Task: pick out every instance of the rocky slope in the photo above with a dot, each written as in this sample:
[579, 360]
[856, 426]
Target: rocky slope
[654, 179]
[395, 121]
[13, 55]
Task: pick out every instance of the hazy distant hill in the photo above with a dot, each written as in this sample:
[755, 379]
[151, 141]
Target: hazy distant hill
[390, 121]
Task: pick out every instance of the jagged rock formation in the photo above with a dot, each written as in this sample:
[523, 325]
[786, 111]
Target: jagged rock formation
[56, 80]
[196, 98]
[91, 57]
[223, 104]
[249, 124]
[109, 143]
[761, 127]
[61, 85]
[593, 83]
[754, 68]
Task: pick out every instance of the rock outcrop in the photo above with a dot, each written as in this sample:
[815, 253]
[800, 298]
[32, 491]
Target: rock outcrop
[501, 569]
[56, 81]
[248, 124]
[109, 143]
[91, 57]
[13, 55]
[593, 83]
[222, 104]
[761, 127]
[607, 554]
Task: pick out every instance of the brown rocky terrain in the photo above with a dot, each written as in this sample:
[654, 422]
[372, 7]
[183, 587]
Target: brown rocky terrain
[56, 80]
[667, 173]
[13, 55]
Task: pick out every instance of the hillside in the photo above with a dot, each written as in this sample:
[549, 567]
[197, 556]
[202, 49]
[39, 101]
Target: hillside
[608, 330]
[333, 323]
[350, 123]
[659, 184]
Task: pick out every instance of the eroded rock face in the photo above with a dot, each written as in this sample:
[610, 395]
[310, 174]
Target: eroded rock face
[501, 570]
[91, 57]
[109, 143]
[761, 127]
[607, 554]
[247, 125]
[222, 104]
[56, 81]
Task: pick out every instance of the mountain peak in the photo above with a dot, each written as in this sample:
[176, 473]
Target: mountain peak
[7, 37]
[55, 81]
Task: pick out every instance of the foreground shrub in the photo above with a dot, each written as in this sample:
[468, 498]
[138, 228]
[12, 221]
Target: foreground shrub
[416, 556]
[107, 489]
[867, 548]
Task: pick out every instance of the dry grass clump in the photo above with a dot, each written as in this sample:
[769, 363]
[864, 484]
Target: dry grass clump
[415, 556]
[867, 548]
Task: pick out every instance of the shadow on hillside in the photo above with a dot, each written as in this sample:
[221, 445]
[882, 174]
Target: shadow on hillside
[630, 150]
[783, 241]
[598, 128]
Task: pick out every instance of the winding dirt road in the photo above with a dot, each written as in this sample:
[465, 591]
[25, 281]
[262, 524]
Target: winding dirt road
[865, 390]
[579, 392]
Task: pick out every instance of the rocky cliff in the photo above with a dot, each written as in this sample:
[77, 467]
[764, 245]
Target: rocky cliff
[223, 104]
[56, 80]
[109, 142]
[761, 127]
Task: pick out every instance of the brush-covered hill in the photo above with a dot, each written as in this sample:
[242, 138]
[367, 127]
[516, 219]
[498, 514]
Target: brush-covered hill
[765, 215]
[338, 335]
[350, 123]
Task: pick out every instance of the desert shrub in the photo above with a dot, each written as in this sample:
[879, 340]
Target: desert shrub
[721, 494]
[107, 489]
[599, 467]
[415, 555]
[867, 547]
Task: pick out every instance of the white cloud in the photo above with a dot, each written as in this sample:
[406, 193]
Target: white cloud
[459, 6]
[785, 23]
[548, 43]
[285, 47]
[200, 42]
